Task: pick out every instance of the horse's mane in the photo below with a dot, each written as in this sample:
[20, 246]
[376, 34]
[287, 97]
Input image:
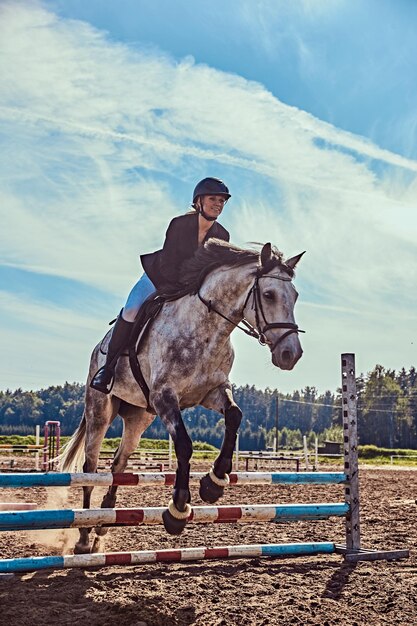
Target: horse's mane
[218, 253]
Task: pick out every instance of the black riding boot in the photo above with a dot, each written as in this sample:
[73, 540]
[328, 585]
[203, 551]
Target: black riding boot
[102, 380]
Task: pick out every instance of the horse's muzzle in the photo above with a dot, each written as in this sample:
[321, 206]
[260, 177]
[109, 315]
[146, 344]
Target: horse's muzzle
[286, 356]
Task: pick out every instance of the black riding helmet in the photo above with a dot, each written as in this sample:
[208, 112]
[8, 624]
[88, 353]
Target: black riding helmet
[210, 186]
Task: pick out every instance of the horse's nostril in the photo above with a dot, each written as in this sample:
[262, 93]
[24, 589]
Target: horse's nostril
[286, 356]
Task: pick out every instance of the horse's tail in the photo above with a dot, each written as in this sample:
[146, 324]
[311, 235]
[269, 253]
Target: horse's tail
[72, 456]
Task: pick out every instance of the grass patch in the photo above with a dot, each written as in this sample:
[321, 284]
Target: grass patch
[369, 454]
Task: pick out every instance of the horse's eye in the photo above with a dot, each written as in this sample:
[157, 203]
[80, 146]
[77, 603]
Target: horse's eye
[269, 295]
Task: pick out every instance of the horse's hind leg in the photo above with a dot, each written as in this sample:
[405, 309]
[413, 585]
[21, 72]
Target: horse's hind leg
[100, 411]
[135, 421]
[212, 485]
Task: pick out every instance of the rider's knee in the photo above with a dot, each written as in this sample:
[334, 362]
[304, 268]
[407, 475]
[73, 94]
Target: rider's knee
[129, 314]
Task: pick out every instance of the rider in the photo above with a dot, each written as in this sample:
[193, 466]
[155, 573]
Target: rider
[162, 268]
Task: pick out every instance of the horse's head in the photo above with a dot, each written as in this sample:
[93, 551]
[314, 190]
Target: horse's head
[271, 308]
[268, 307]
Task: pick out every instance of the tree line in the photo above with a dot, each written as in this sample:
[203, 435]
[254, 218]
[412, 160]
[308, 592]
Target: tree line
[387, 413]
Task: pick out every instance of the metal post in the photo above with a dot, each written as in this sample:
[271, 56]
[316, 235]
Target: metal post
[350, 447]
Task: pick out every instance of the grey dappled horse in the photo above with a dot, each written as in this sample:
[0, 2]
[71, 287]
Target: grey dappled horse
[186, 358]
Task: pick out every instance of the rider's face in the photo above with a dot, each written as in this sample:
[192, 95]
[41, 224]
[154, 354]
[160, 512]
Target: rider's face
[213, 205]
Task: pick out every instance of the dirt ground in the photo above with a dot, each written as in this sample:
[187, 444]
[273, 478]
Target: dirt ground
[320, 590]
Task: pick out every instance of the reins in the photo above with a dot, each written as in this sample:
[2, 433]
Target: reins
[248, 328]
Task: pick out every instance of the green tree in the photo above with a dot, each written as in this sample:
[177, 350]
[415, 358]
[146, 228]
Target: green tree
[381, 407]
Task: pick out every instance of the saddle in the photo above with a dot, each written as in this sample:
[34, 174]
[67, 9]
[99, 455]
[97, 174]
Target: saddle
[148, 312]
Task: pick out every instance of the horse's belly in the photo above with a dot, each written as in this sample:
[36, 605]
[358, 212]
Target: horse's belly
[194, 394]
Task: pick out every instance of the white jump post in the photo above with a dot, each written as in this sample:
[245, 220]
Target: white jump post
[237, 453]
[38, 443]
[350, 451]
[170, 446]
[305, 448]
[352, 551]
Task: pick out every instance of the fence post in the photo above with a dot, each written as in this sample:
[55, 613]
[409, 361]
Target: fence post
[237, 453]
[306, 452]
[350, 448]
[170, 452]
[45, 447]
[37, 442]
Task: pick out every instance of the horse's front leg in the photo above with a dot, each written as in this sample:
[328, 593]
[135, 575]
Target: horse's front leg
[167, 406]
[212, 485]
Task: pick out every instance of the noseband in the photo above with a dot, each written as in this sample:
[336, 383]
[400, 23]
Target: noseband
[257, 331]
[257, 305]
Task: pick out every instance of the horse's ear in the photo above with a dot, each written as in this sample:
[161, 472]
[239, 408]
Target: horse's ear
[266, 254]
[294, 260]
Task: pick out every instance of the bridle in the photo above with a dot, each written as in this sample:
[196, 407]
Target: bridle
[257, 331]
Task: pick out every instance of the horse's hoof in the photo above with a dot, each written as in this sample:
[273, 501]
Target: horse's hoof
[173, 526]
[101, 531]
[209, 491]
[82, 548]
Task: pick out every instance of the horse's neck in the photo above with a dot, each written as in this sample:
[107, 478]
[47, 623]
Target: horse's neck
[228, 288]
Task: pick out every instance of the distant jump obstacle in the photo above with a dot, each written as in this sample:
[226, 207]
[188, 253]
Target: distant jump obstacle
[141, 459]
[49, 449]
[268, 457]
[349, 509]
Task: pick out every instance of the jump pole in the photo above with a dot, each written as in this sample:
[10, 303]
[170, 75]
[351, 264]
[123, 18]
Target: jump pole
[29, 447]
[18, 506]
[25, 448]
[33, 564]
[86, 518]
[165, 479]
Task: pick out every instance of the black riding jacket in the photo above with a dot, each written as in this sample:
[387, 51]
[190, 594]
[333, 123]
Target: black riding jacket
[181, 241]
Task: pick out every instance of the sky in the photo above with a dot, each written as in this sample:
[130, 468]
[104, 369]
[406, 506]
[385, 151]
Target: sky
[111, 112]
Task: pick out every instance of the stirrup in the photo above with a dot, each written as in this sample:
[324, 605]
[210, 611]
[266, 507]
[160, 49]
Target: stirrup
[103, 380]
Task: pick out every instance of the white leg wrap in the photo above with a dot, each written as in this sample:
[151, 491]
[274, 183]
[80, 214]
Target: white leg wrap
[179, 514]
[220, 482]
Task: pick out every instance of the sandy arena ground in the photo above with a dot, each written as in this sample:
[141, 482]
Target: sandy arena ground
[321, 590]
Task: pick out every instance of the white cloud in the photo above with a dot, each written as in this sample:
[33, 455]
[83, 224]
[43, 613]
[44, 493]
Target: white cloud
[43, 344]
[105, 144]
[275, 25]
